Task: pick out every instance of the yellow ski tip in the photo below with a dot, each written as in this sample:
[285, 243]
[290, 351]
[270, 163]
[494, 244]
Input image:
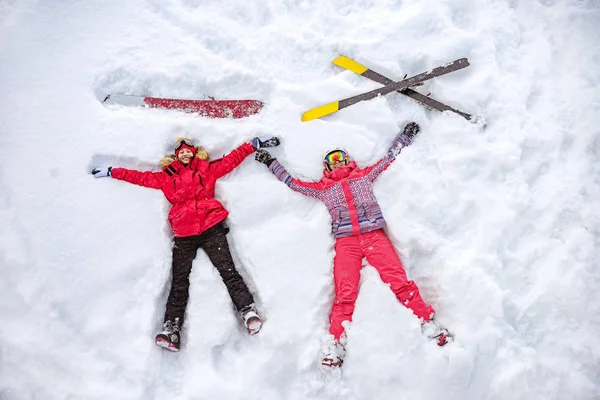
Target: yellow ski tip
[321, 111]
[349, 64]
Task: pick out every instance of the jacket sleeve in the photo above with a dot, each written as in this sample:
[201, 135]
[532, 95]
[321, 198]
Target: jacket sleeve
[153, 180]
[225, 165]
[311, 189]
[400, 142]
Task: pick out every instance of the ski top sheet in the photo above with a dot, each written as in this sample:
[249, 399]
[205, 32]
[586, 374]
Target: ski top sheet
[331, 108]
[357, 68]
[206, 108]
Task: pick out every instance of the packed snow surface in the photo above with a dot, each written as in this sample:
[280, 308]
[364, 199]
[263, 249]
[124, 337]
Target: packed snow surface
[498, 227]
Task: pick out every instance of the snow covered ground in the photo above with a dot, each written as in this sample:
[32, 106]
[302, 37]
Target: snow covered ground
[499, 227]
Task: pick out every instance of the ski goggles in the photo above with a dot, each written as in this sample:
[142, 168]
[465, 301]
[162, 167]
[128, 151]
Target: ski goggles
[335, 156]
[183, 141]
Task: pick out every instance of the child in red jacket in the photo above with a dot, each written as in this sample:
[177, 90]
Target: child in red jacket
[197, 218]
[357, 224]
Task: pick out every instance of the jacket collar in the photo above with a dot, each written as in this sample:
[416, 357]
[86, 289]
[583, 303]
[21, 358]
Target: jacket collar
[176, 166]
[340, 173]
[194, 163]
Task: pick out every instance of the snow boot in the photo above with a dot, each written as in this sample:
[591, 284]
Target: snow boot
[170, 337]
[434, 331]
[334, 355]
[252, 321]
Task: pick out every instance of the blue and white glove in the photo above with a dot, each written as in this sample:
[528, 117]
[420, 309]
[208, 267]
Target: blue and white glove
[101, 172]
[265, 141]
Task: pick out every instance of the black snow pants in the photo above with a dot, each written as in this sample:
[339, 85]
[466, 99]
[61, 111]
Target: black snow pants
[214, 242]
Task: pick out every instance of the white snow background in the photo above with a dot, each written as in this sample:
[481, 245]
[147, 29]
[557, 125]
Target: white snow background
[498, 227]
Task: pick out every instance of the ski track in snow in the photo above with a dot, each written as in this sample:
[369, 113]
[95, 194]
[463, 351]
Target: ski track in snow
[499, 228]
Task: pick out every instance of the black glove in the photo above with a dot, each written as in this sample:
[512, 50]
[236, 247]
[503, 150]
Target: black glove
[411, 129]
[264, 157]
[265, 141]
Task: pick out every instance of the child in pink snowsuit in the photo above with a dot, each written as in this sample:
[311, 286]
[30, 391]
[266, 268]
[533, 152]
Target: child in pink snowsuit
[357, 224]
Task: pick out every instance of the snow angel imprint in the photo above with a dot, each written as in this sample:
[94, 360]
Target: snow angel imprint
[357, 224]
[188, 181]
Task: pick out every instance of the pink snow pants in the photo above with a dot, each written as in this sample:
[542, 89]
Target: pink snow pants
[376, 247]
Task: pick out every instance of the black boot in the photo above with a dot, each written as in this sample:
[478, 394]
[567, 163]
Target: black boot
[170, 337]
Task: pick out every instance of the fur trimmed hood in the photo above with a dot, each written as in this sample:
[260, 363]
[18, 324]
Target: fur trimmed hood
[167, 160]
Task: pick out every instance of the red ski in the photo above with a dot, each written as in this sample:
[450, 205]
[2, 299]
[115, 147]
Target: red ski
[206, 108]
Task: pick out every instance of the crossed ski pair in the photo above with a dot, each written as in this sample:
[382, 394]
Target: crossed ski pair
[402, 86]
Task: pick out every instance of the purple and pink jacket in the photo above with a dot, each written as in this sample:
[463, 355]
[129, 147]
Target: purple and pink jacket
[347, 192]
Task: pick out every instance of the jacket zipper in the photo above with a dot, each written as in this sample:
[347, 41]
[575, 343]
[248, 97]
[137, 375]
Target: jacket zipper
[351, 208]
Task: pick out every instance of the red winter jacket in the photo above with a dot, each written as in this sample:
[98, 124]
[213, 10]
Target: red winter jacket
[190, 189]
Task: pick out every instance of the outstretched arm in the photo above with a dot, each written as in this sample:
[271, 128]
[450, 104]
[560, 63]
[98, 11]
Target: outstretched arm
[311, 189]
[225, 165]
[153, 180]
[403, 139]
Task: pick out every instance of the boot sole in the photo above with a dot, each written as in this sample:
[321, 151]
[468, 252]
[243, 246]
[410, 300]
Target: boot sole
[330, 364]
[165, 344]
[331, 367]
[445, 340]
[254, 326]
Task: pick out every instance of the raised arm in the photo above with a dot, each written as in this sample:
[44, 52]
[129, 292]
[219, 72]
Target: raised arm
[225, 165]
[311, 189]
[403, 139]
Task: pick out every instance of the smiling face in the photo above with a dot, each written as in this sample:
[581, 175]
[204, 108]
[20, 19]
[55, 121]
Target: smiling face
[185, 155]
[338, 164]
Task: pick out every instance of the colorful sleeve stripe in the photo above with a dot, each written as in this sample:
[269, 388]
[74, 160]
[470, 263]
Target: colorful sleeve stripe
[280, 172]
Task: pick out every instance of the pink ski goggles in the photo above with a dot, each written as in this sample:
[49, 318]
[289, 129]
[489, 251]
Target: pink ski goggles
[335, 156]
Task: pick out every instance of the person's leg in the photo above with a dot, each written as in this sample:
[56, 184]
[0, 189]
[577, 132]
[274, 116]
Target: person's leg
[346, 275]
[184, 252]
[381, 254]
[214, 243]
